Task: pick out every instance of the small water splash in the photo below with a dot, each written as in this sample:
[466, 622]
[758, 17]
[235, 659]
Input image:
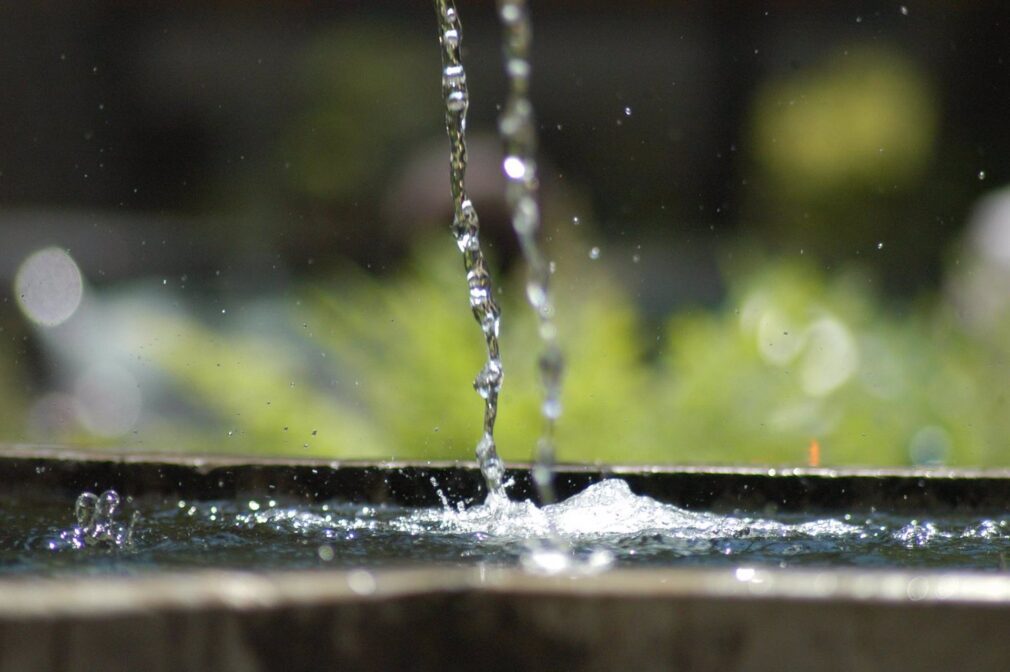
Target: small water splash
[916, 533]
[96, 524]
[919, 534]
[466, 229]
[608, 509]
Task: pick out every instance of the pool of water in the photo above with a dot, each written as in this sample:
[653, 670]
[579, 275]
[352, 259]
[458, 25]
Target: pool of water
[39, 534]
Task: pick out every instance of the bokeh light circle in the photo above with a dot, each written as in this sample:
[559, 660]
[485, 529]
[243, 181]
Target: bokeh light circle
[49, 287]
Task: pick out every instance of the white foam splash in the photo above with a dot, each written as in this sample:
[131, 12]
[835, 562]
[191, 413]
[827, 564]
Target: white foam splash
[606, 509]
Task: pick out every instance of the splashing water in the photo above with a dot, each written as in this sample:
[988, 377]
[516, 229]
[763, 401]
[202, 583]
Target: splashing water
[96, 524]
[633, 530]
[606, 509]
[466, 229]
[518, 132]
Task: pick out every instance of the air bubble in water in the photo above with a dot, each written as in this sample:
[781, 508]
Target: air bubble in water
[594, 253]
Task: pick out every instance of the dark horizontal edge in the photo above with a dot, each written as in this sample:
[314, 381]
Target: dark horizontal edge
[35, 468]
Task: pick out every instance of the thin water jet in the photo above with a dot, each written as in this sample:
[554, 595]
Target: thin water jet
[466, 229]
[517, 128]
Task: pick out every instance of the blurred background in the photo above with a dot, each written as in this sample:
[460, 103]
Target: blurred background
[781, 230]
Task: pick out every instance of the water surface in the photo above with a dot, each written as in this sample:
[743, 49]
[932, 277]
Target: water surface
[264, 533]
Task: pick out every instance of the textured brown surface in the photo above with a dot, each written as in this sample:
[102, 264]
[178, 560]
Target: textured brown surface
[504, 620]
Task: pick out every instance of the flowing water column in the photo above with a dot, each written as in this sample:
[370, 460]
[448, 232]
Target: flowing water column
[466, 229]
[518, 131]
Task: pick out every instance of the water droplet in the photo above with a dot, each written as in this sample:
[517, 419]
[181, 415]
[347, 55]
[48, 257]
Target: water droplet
[107, 504]
[525, 216]
[514, 167]
[627, 111]
[551, 408]
[594, 253]
[536, 295]
[981, 175]
[575, 221]
[510, 12]
[456, 101]
[880, 245]
[85, 507]
[488, 381]
[454, 76]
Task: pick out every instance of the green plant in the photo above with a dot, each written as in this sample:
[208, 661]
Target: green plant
[370, 367]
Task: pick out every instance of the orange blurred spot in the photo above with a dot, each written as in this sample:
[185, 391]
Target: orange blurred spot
[814, 454]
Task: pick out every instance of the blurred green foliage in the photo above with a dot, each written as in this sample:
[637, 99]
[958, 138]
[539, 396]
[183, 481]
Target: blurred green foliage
[794, 358]
[385, 370]
[256, 395]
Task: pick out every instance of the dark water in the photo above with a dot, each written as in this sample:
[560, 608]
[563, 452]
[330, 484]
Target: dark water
[36, 536]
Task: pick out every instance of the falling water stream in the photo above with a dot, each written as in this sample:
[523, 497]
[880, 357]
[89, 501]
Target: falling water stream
[466, 229]
[518, 131]
[517, 128]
